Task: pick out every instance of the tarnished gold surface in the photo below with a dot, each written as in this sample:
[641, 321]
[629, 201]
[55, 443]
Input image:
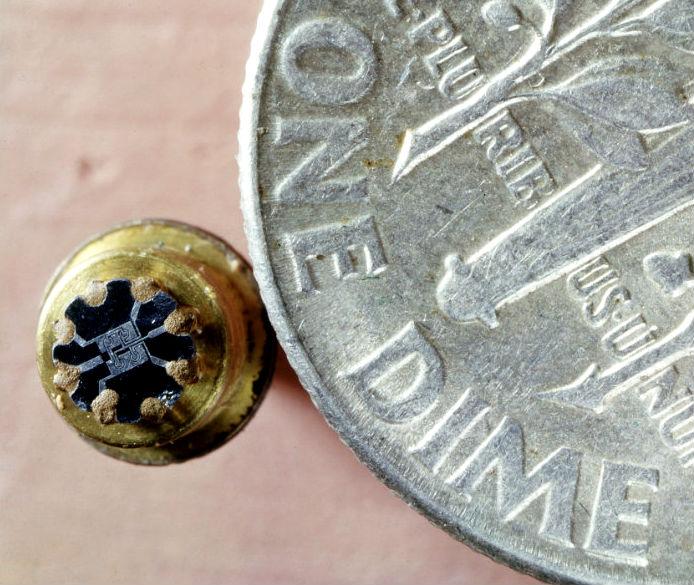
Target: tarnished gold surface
[235, 346]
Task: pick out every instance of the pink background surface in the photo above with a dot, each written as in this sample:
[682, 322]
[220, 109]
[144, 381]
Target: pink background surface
[112, 110]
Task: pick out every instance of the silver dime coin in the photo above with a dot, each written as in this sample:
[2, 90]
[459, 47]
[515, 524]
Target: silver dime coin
[472, 225]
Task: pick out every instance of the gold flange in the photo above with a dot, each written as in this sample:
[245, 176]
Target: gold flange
[234, 343]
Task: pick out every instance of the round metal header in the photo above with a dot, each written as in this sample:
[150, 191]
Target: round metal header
[153, 343]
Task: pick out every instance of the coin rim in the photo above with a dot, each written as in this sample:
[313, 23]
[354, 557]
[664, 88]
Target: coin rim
[407, 490]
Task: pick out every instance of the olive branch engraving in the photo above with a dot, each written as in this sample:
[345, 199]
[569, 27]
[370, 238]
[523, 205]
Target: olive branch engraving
[607, 105]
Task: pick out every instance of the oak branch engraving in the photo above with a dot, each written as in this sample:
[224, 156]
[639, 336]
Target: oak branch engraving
[607, 104]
